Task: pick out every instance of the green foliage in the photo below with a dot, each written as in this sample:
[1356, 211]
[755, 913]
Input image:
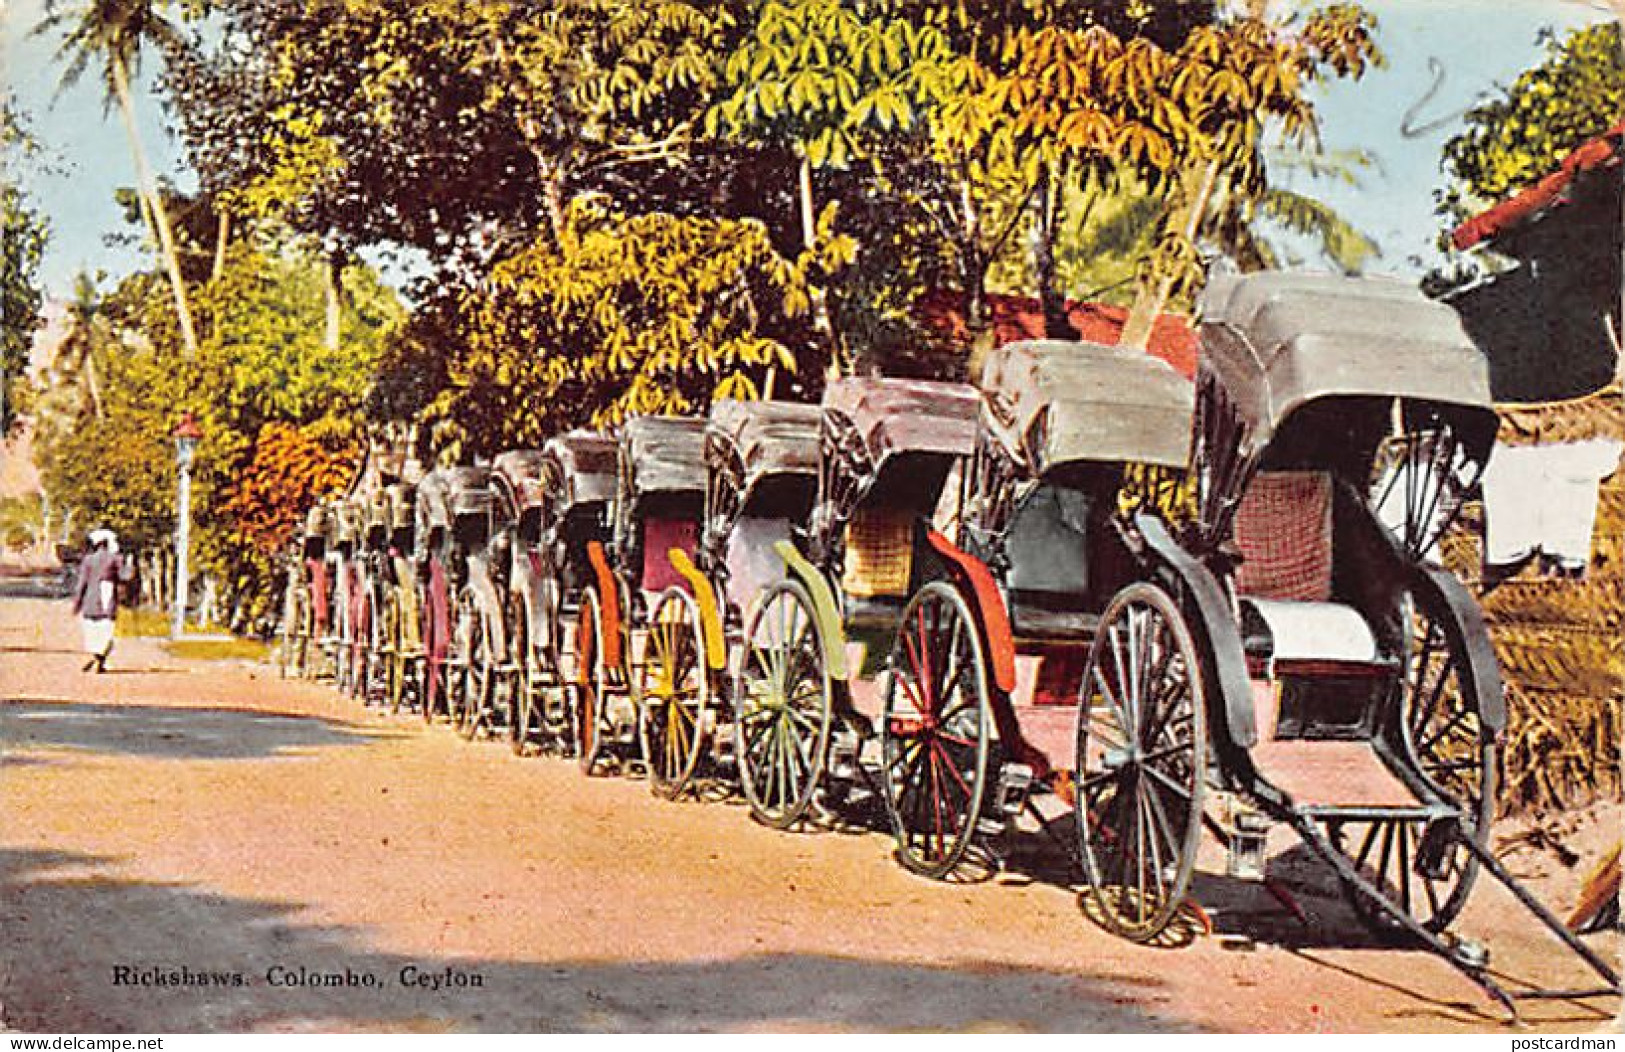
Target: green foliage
[119, 469]
[23, 235]
[625, 314]
[109, 34]
[263, 373]
[1522, 134]
[827, 76]
[22, 521]
[264, 346]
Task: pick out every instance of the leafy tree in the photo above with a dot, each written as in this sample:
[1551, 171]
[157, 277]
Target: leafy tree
[82, 356]
[337, 119]
[263, 373]
[112, 34]
[625, 314]
[118, 469]
[1523, 133]
[829, 80]
[287, 471]
[23, 236]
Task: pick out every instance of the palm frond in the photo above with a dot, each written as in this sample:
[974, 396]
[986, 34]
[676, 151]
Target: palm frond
[1339, 240]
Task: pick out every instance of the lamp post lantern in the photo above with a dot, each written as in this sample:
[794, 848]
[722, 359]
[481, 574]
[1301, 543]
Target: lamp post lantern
[186, 436]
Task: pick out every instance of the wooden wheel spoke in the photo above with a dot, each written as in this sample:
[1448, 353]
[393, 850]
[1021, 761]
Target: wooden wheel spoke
[1445, 728]
[949, 765]
[1168, 783]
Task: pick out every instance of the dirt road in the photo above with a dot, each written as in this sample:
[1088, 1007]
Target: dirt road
[188, 846]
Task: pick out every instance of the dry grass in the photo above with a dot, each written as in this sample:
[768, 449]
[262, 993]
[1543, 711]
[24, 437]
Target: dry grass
[1561, 647]
[219, 649]
[148, 623]
[1561, 751]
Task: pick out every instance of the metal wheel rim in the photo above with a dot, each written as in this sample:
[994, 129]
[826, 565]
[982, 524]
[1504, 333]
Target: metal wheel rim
[673, 694]
[1441, 734]
[935, 735]
[394, 670]
[776, 714]
[519, 737]
[1141, 748]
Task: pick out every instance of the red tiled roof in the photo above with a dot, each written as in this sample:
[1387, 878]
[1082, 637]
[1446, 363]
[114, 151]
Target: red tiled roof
[1019, 318]
[1601, 152]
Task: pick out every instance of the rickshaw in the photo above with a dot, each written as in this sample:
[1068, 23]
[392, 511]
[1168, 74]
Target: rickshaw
[516, 574]
[761, 478]
[367, 654]
[659, 498]
[577, 485]
[1288, 654]
[435, 569]
[401, 624]
[477, 679]
[461, 525]
[305, 605]
[979, 706]
[352, 595]
[340, 552]
[807, 695]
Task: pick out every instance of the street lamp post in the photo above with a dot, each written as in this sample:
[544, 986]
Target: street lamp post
[186, 436]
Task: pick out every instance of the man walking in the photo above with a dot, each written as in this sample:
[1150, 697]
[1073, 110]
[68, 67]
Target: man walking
[95, 596]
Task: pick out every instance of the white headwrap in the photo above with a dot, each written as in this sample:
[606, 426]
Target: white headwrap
[102, 535]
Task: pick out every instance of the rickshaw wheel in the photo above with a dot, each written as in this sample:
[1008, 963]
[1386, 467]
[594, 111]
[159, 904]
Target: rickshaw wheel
[935, 731]
[1140, 763]
[472, 696]
[551, 652]
[673, 694]
[1442, 735]
[523, 725]
[293, 634]
[394, 659]
[588, 692]
[361, 649]
[783, 708]
[344, 652]
[307, 637]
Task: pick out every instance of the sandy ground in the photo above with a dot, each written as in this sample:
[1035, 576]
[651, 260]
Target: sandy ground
[212, 818]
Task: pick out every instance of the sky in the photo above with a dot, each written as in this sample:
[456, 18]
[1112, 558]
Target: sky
[1478, 44]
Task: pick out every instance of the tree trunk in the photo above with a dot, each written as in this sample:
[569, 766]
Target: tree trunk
[823, 324]
[223, 234]
[1057, 326]
[332, 294]
[1154, 290]
[147, 188]
[90, 381]
[973, 266]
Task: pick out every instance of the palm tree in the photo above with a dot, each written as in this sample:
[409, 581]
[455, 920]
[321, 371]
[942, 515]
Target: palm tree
[111, 34]
[88, 336]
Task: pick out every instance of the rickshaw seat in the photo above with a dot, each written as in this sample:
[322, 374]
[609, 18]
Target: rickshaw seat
[1035, 624]
[1047, 545]
[1283, 636]
[872, 611]
[752, 564]
[1283, 531]
[879, 553]
[661, 535]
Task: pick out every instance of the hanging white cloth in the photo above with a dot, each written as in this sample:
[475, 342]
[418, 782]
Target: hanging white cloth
[1544, 498]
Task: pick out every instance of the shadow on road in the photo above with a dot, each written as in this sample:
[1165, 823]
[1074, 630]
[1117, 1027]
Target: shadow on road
[35, 586]
[1245, 913]
[68, 926]
[168, 733]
